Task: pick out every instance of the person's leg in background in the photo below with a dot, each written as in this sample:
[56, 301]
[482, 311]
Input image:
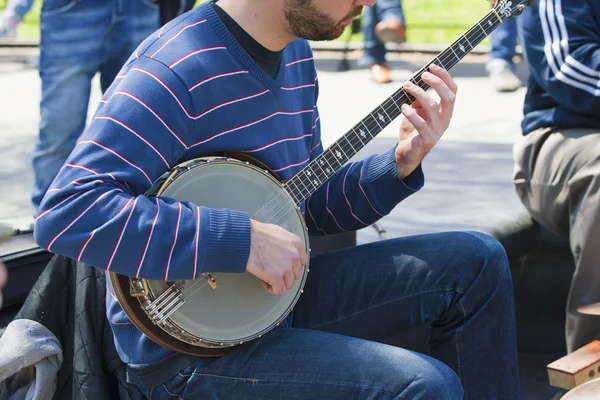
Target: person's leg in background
[134, 21]
[383, 22]
[558, 180]
[78, 40]
[71, 52]
[12, 16]
[500, 65]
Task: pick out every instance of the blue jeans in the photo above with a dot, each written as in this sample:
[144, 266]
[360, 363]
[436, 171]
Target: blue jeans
[355, 298]
[504, 41]
[374, 50]
[18, 8]
[78, 39]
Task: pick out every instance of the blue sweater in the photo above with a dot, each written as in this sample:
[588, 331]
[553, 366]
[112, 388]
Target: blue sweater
[188, 90]
[561, 42]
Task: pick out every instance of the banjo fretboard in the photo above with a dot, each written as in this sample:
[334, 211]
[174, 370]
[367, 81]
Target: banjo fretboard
[319, 170]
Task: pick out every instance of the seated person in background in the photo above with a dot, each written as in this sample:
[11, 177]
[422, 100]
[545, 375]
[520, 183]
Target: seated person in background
[557, 171]
[240, 76]
[382, 23]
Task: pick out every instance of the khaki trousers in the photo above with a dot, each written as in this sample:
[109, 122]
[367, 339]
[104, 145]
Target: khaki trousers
[557, 177]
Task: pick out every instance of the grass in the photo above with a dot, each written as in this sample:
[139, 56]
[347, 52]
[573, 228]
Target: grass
[428, 21]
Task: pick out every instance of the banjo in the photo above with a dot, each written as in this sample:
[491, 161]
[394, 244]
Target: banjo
[214, 313]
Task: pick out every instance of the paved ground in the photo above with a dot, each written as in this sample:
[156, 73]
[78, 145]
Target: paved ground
[467, 174]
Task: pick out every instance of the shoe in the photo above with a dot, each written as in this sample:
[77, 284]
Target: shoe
[380, 73]
[8, 26]
[390, 30]
[502, 75]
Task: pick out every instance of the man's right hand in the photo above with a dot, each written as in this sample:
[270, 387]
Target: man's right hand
[276, 257]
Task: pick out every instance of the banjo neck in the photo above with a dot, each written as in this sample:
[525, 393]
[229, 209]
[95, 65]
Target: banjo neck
[303, 184]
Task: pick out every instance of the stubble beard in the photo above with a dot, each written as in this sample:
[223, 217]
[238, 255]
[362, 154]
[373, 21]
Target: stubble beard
[305, 21]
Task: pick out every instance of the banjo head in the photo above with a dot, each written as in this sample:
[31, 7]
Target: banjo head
[238, 309]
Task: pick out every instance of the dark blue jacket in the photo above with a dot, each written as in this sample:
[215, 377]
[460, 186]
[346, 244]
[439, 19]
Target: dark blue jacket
[561, 42]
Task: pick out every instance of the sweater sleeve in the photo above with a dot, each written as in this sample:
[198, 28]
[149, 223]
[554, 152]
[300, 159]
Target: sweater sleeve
[96, 210]
[561, 41]
[358, 194]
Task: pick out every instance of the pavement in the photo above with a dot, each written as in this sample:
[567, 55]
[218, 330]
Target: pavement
[468, 174]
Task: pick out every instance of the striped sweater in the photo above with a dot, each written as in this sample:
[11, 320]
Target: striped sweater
[188, 90]
[561, 42]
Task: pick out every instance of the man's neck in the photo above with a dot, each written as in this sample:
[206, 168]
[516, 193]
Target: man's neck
[262, 19]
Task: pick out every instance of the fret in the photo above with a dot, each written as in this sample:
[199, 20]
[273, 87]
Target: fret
[394, 101]
[439, 62]
[405, 97]
[292, 191]
[459, 48]
[358, 136]
[324, 163]
[303, 186]
[333, 163]
[350, 143]
[455, 55]
[338, 154]
[310, 172]
[296, 191]
[386, 114]
[377, 122]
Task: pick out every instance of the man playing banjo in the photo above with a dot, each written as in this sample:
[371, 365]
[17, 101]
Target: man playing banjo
[239, 75]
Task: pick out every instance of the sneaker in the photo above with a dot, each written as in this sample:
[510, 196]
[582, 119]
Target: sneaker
[8, 26]
[380, 73]
[502, 75]
[390, 30]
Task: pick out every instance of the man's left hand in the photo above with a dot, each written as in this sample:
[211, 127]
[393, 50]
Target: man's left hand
[425, 121]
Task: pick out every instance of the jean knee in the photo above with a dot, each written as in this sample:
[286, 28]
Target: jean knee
[490, 252]
[442, 383]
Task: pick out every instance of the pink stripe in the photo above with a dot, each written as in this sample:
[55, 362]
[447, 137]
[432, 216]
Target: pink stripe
[117, 323]
[316, 146]
[162, 30]
[88, 169]
[196, 240]
[166, 87]
[196, 85]
[137, 271]
[112, 295]
[124, 125]
[112, 256]
[196, 52]
[346, 197]
[174, 241]
[250, 124]
[49, 245]
[85, 245]
[292, 165]
[328, 210]
[118, 155]
[232, 102]
[299, 60]
[277, 142]
[153, 112]
[210, 78]
[177, 34]
[298, 86]
[313, 218]
[50, 209]
[364, 194]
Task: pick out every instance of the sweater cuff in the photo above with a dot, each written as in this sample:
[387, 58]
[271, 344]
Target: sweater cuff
[228, 233]
[387, 186]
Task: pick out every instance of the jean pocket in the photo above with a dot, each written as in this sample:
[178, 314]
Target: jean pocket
[52, 7]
